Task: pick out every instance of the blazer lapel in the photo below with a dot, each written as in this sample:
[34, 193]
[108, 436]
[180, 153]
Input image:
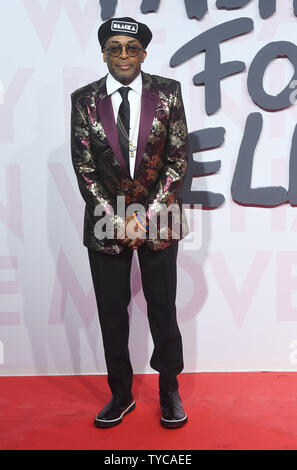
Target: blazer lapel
[106, 116]
[149, 101]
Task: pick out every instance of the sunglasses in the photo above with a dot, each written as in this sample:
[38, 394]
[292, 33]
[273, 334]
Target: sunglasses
[131, 49]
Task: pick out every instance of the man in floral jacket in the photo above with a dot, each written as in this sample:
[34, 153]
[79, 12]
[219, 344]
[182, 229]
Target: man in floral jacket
[129, 153]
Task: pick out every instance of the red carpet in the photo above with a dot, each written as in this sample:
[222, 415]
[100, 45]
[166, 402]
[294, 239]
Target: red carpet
[226, 411]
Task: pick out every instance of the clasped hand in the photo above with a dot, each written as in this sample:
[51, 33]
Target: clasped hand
[131, 234]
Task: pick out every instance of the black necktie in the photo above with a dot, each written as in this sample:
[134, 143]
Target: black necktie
[123, 123]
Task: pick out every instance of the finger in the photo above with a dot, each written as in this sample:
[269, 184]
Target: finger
[132, 229]
[133, 247]
[136, 243]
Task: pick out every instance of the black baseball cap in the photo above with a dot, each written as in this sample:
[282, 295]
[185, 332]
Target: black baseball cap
[124, 27]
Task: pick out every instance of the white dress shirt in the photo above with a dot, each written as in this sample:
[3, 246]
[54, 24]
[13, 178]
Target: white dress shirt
[134, 97]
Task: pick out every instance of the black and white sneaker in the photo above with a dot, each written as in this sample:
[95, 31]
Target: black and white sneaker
[114, 411]
[173, 414]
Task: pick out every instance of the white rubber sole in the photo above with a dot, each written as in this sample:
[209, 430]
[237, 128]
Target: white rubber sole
[173, 423]
[108, 423]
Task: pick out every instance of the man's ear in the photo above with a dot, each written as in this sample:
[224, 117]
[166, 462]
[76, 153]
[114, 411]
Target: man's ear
[104, 56]
[144, 54]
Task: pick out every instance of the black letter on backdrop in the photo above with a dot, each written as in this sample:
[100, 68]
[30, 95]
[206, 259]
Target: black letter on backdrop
[214, 70]
[241, 190]
[257, 70]
[108, 8]
[231, 4]
[195, 8]
[204, 139]
[148, 6]
[266, 7]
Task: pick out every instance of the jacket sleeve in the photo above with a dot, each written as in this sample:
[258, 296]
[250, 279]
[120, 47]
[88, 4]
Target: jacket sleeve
[90, 184]
[167, 190]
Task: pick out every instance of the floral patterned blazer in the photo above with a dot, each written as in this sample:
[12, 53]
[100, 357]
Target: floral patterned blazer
[161, 161]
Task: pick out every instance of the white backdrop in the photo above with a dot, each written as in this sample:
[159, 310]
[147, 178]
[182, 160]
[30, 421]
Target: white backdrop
[237, 299]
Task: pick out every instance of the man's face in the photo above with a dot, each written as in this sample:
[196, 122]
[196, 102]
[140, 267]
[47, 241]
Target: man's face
[123, 68]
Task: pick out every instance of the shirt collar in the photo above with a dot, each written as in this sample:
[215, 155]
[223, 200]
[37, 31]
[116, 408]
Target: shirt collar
[112, 85]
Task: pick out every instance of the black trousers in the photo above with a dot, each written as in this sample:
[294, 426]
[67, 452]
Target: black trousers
[111, 280]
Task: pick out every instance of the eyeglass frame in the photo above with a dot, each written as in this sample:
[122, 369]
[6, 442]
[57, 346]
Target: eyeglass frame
[121, 46]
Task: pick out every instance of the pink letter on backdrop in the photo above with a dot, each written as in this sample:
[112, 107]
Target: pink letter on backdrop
[45, 20]
[73, 78]
[237, 212]
[11, 214]
[73, 205]
[239, 300]
[286, 284]
[67, 283]
[199, 291]
[9, 288]
[10, 98]
[279, 167]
